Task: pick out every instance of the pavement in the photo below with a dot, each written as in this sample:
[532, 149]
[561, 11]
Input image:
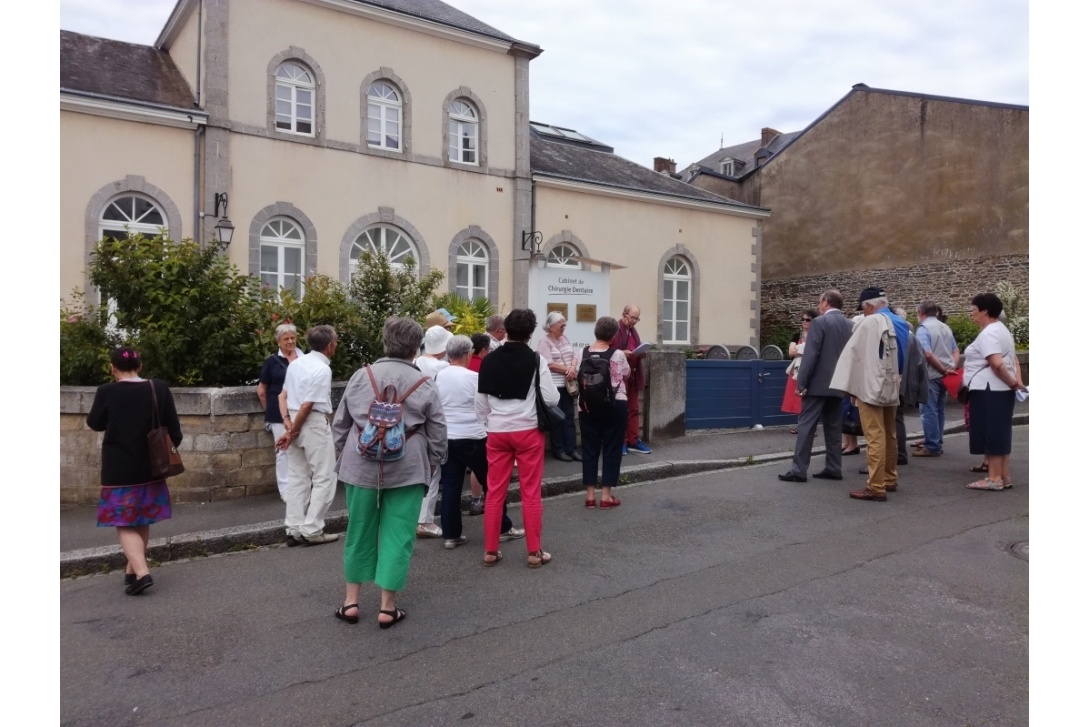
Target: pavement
[203, 529]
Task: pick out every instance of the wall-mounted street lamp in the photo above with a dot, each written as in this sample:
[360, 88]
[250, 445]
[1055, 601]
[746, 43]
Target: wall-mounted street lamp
[224, 229]
[531, 241]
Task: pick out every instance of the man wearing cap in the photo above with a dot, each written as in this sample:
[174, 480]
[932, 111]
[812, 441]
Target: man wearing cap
[941, 353]
[870, 369]
[430, 363]
[828, 334]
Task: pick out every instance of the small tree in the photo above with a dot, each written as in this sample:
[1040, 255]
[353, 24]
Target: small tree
[382, 291]
[86, 342]
[471, 315]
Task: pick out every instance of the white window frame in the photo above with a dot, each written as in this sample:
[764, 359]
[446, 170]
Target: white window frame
[677, 269]
[562, 256]
[277, 234]
[472, 254]
[384, 99]
[296, 81]
[463, 131]
[727, 167]
[133, 224]
[393, 242]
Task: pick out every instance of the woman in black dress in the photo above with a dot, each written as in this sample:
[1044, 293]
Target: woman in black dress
[131, 499]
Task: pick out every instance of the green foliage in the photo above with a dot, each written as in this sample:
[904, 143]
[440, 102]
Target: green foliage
[471, 315]
[85, 343]
[185, 307]
[1014, 305]
[965, 331]
[381, 292]
[780, 336]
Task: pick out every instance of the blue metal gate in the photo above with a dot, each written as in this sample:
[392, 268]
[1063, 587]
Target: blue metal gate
[721, 394]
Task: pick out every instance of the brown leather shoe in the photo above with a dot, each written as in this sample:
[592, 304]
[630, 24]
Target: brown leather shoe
[891, 488]
[867, 495]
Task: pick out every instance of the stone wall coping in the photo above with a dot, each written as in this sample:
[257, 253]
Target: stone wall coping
[189, 400]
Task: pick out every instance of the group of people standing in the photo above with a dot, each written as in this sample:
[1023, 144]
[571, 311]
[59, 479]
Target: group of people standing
[882, 365]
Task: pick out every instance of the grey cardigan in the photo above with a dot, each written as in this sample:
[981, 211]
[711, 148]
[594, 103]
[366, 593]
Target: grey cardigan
[426, 449]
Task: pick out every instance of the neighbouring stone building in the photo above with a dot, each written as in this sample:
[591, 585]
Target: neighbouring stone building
[925, 195]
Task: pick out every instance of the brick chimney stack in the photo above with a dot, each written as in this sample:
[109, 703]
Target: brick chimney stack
[767, 135]
[666, 166]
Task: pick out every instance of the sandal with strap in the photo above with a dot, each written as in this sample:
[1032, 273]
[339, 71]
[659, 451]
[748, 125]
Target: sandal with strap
[993, 485]
[491, 557]
[979, 468]
[340, 613]
[398, 615]
[538, 559]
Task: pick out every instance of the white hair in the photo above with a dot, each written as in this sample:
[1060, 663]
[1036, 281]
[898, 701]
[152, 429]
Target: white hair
[551, 320]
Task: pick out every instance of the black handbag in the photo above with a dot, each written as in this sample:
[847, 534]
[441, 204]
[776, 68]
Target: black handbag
[163, 455]
[549, 416]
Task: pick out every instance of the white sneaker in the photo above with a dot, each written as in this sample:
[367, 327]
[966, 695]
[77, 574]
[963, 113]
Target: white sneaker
[512, 534]
[321, 538]
[454, 543]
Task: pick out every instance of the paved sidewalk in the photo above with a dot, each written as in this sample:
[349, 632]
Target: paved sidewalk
[199, 529]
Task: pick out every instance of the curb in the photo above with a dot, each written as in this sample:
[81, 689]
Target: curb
[90, 561]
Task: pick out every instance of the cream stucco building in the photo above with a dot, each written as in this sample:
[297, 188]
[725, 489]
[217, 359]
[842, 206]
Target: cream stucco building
[330, 127]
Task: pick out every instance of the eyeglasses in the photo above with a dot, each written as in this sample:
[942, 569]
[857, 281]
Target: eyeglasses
[634, 319]
[806, 320]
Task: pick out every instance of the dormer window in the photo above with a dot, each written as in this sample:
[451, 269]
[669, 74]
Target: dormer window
[729, 167]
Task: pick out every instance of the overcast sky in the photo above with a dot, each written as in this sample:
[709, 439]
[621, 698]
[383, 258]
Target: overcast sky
[654, 78]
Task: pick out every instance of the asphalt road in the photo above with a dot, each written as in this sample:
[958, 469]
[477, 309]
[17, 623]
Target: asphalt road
[727, 598]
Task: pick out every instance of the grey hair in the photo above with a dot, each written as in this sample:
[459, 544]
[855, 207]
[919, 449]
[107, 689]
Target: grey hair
[551, 320]
[900, 312]
[494, 323]
[459, 346]
[401, 338]
[285, 328]
[928, 307]
[319, 338]
[882, 302]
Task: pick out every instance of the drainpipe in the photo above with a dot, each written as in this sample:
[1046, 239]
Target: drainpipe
[198, 233]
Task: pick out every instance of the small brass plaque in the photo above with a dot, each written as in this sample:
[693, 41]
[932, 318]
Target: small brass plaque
[561, 308]
[586, 313]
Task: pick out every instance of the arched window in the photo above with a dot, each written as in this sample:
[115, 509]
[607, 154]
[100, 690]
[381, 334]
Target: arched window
[383, 116]
[472, 270]
[677, 282]
[283, 249]
[294, 99]
[563, 256]
[133, 213]
[383, 240]
[462, 132]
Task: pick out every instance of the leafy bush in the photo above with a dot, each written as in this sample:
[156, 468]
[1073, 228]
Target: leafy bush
[470, 315]
[381, 292]
[965, 331]
[85, 343]
[1014, 305]
[780, 336]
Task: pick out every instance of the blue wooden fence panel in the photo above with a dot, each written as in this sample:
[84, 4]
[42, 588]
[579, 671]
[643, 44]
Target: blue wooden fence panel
[724, 394]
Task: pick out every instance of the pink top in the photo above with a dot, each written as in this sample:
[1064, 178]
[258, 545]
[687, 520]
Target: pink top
[618, 367]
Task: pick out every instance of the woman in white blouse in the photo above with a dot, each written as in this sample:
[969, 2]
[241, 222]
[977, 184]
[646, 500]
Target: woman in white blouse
[557, 351]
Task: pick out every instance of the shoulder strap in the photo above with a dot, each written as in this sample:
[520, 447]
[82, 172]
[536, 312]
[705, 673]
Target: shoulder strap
[154, 406]
[413, 388]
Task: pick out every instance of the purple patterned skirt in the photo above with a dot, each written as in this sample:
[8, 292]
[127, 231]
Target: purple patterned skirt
[134, 506]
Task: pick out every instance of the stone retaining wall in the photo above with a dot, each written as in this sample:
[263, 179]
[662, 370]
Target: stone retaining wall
[951, 284]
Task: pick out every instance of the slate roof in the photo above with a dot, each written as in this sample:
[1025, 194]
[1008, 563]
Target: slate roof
[122, 70]
[744, 153]
[441, 13]
[597, 164]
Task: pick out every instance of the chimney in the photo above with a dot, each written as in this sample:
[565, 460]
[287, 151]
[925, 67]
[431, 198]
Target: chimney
[666, 166]
[767, 135]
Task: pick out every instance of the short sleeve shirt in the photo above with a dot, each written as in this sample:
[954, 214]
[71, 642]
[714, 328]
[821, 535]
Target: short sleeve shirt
[994, 338]
[272, 375]
[309, 378]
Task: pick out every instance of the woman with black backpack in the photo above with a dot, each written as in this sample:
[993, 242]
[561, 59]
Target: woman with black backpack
[603, 410]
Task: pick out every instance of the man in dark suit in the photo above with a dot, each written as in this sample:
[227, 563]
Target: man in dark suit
[829, 332]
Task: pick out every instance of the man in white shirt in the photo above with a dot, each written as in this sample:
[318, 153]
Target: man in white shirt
[431, 363]
[306, 406]
[496, 332]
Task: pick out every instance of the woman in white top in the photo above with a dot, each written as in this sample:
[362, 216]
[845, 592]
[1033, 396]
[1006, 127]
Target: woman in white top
[466, 441]
[507, 388]
[557, 351]
[602, 424]
[992, 375]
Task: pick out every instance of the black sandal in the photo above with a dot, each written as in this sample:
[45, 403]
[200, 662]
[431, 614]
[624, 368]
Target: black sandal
[340, 613]
[979, 468]
[398, 615]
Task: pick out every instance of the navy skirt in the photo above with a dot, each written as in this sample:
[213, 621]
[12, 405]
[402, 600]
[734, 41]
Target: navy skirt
[993, 417]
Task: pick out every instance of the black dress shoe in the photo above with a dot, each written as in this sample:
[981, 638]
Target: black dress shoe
[902, 459]
[792, 477]
[139, 585]
[562, 457]
[577, 456]
[827, 476]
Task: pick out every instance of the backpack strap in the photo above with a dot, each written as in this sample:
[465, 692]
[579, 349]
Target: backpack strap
[413, 388]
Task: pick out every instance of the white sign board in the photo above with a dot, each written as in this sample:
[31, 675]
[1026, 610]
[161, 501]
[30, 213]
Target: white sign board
[578, 293]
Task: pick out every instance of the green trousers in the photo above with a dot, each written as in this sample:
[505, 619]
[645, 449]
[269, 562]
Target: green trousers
[381, 532]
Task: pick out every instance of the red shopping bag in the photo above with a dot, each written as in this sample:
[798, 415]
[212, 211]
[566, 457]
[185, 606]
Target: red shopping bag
[952, 382]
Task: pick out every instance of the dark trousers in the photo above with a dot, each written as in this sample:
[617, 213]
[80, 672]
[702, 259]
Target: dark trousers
[563, 435]
[632, 426]
[827, 410]
[603, 436]
[463, 454]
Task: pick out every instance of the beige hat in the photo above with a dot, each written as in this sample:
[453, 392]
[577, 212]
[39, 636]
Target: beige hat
[435, 340]
[439, 317]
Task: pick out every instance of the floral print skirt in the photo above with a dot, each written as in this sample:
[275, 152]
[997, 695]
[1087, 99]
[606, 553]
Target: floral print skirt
[134, 506]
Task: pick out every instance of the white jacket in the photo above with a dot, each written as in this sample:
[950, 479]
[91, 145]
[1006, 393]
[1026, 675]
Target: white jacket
[867, 368]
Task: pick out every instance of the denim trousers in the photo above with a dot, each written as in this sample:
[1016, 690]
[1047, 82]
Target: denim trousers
[603, 436]
[463, 454]
[933, 415]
